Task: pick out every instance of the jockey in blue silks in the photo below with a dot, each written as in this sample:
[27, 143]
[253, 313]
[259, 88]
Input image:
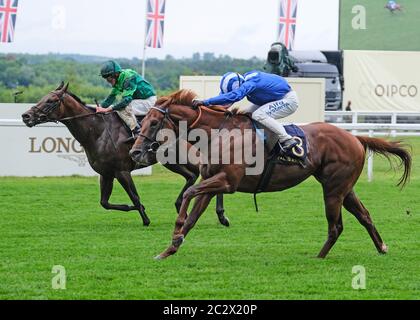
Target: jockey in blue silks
[271, 97]
[392, 6]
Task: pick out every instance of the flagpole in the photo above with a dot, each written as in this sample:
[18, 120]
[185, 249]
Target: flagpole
[144, 61]
[143, 67]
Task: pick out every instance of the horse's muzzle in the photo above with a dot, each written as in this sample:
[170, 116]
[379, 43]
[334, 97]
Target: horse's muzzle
[28, 119]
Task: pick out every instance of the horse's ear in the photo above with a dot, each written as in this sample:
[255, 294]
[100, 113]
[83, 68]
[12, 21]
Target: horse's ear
[66, 87]
[60, 86]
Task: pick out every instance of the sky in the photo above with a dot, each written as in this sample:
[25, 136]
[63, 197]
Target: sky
[239, 28]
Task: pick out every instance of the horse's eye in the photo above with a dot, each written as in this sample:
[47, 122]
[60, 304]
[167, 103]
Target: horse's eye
[154, 123]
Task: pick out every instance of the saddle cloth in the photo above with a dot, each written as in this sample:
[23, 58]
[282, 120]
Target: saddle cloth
[296, 155]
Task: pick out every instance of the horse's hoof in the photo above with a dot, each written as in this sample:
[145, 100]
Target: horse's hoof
[159, 257]
[225, 222]
[146, 223]
[384, 248]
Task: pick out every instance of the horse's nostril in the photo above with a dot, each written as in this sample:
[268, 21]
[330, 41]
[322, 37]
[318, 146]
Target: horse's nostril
[133, 153]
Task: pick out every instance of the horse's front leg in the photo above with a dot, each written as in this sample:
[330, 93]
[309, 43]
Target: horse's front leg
[204, 191]
[106, 186]
[190, 179]
[126, 181]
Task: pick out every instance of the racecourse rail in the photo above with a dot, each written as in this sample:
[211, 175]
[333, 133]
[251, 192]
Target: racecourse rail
[370, 123]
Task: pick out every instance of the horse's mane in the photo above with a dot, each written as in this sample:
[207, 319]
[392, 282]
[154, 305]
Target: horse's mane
[71, 94]
[183, 97]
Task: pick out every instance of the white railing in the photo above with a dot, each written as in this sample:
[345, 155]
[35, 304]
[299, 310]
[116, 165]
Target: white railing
[398, 124]
[376, 123]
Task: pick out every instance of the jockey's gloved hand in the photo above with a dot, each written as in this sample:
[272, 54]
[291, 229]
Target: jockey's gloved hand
[234, 109]
[196, 103]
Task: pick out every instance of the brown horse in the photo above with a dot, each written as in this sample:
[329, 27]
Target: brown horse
[335, 159]
[104, 139]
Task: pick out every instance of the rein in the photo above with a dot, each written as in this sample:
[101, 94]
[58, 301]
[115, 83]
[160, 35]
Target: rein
[77, 117]
[200, 113]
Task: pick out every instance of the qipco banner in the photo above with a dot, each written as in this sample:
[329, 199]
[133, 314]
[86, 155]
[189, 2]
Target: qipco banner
[382, 80]
[44, 150]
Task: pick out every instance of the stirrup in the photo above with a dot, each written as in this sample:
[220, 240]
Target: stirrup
[288, 144]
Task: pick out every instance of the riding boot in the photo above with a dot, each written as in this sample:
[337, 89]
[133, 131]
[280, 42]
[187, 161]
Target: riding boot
[286, 141]
[288, 144]
[135, 132]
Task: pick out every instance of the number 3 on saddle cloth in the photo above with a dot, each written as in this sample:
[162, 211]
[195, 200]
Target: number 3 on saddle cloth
[295, 156]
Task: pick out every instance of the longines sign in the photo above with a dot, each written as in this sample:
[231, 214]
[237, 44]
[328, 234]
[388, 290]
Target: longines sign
[65, 148]
[45, 150]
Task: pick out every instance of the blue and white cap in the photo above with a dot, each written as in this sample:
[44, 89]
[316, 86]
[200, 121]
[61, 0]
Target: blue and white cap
[230, 81]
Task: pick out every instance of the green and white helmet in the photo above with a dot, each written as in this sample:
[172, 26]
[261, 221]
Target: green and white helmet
[109, 68]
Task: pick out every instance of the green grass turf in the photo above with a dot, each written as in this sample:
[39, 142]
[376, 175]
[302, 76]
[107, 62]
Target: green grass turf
[267, 255]
[384, 30]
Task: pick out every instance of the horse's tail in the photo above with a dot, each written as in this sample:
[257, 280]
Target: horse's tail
[387, 148]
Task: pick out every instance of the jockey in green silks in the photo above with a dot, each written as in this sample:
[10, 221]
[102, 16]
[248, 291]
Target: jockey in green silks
[137, 95]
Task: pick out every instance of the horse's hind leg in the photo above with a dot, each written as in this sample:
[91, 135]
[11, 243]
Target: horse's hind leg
[220, 210]
[335, 224]
[125, 179]
[353, 204]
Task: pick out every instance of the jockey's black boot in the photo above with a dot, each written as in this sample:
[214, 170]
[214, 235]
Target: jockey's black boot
[134, 134]
[136, 131]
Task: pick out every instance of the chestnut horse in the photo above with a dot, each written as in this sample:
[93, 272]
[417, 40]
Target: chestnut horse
[104, 139]
[335, 159]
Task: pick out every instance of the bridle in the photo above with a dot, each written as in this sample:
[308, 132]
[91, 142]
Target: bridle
[154, 144]
[52, 106]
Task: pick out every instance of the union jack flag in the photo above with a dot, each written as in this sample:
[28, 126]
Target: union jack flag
[287, 26]
[154, 24]
[8, 12]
